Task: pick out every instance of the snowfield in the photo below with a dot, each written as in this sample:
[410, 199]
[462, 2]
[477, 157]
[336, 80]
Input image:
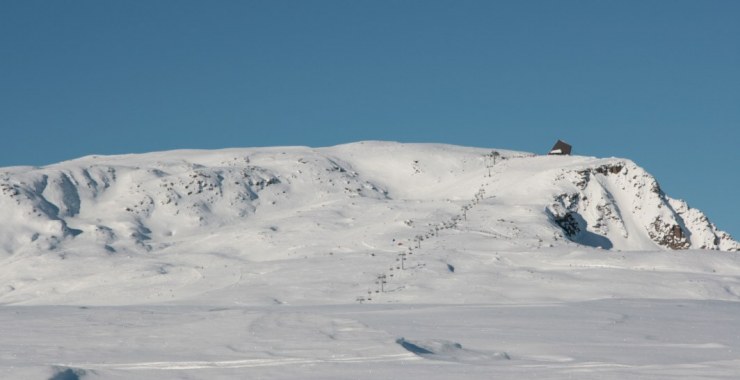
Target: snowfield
[365, 260]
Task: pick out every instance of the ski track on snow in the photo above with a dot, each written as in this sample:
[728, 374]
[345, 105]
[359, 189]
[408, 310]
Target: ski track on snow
[245, 363]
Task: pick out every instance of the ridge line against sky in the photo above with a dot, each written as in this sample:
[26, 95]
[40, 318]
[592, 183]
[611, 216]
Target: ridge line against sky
[653, 81]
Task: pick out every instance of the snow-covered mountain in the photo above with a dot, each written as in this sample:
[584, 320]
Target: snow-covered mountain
[133, 218]
[138, 203]
[364, 260]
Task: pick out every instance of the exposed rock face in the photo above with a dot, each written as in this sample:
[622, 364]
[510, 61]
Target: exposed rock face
[569, 224]
[621, 199]
[668, 235]
[704, 234]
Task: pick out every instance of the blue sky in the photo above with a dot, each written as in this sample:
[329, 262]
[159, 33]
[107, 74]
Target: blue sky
[654, 81]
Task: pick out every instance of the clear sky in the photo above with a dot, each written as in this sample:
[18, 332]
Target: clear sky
[654, 81]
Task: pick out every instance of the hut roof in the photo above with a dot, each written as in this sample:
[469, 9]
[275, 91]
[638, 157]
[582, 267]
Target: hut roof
[561, 148]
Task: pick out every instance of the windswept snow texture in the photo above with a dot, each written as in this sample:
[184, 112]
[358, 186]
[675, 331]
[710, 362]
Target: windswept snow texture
[366, 260]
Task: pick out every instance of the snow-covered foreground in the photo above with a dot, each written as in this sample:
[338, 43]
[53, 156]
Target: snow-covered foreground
[606, 339]
[368, 260]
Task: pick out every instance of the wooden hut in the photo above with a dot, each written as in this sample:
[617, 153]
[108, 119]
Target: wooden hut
[561, 148]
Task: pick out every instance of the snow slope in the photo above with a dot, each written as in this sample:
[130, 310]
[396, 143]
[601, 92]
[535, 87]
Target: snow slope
[276, 260]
